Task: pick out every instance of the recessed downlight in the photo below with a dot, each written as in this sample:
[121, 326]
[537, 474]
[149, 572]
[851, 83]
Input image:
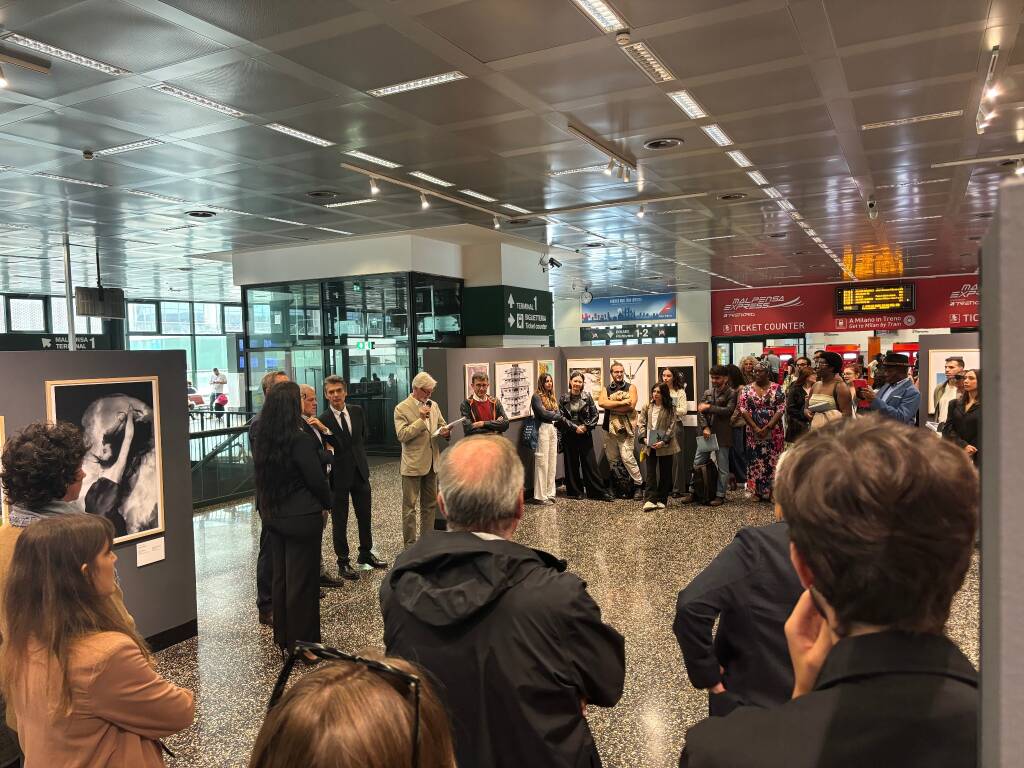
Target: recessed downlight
[732, 196]
[663, 143]
[777, 235]
[322, 194]
[200, 214]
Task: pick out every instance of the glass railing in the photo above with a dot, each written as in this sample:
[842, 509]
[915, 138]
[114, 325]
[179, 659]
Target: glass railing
[221, 458]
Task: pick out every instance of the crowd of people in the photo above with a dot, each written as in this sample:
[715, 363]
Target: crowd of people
[829, 647]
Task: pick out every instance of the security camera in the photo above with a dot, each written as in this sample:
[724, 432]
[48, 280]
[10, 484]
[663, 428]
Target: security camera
[872, 208]
[554, 262]
[88, 154]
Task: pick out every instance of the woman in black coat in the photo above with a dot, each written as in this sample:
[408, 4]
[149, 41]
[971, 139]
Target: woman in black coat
[579, 414]
[798, 418]
[292, 493]
[963, 422]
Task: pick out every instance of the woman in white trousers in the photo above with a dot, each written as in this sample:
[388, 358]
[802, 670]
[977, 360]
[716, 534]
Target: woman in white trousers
[545, 457]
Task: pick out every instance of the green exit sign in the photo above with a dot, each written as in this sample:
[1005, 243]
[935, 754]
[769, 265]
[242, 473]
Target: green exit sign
[366, 344]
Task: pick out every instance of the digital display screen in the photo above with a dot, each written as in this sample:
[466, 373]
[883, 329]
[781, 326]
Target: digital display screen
[892, 297]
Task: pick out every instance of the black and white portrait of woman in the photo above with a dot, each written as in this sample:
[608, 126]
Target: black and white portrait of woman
[123, 474]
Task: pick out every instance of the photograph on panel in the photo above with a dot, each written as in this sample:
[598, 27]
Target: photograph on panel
[636, 370]
[593, 374]
[684, 370]
[513, 386]
[120, 422]
[471, 370]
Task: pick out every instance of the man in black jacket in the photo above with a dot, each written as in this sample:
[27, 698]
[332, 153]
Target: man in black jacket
[882, 549]
[751, 588]
[714, 414]
[350, 476]
[516, 643]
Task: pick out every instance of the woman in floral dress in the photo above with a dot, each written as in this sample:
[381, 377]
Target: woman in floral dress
[762, 405]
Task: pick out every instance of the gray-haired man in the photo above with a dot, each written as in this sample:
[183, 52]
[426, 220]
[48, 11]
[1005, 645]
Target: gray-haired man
[516, 643]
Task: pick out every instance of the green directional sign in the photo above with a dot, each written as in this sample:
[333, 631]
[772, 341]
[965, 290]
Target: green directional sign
[505, 310]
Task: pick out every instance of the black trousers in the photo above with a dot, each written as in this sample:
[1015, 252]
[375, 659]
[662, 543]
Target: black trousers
[295, 543]
[359, 490]
[580, 466]
[264, 572]
[659, 477]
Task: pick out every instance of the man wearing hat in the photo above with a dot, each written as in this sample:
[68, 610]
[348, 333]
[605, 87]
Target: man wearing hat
[897, 398]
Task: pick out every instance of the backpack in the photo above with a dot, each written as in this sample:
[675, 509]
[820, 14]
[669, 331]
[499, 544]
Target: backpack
[621, 483]
[705, 482]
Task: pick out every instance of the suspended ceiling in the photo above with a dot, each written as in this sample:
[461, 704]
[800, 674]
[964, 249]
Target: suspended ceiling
[791, 83]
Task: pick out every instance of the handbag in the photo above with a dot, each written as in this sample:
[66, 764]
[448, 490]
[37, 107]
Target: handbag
[707, 444]
[531, 433]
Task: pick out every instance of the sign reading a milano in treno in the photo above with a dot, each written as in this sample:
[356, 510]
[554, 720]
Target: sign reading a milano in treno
[942, 302]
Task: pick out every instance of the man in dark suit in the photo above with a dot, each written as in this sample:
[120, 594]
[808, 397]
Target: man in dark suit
[319, 432]
[350, 476]
[264, 560]
[881, 548]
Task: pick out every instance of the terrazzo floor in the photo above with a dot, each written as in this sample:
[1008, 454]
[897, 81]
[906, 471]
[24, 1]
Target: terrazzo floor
[634, 563]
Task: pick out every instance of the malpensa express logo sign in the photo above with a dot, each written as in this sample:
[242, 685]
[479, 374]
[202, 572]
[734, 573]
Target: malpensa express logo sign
[742, 305]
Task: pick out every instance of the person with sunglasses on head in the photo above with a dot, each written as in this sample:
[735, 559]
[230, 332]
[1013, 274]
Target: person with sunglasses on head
[963, 426]
[898, 398]
[881, 549]
[516, 644]
[355, 712]
[950, 390]
[76, 673]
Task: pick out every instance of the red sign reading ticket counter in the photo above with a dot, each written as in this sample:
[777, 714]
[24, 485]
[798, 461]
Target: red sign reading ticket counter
[944, 302]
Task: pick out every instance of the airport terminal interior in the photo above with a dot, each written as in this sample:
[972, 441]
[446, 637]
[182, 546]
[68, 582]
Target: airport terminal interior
[786, 200]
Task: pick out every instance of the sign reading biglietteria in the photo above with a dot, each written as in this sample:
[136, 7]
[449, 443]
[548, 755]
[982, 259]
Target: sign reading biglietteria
[505, 310]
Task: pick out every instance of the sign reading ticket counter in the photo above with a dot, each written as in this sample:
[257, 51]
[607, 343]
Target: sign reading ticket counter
[505, 310]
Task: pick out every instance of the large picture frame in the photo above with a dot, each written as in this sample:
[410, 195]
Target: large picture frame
[684, 367]
[593, 374]
[5, 513]
[936, 371]
[548, 366]
[637, 371]
[470, 369]
[123, 477]
[513, 386]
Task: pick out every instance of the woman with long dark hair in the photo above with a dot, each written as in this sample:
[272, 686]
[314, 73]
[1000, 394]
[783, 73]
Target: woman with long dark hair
[798, 418]
[738, 454]
[579, 419]
[656, 429]
[544, 404]
[77, 675]
[292, 494]
[963, 420]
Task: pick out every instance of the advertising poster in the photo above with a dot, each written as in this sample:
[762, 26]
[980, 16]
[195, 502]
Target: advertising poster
[621, 309]
[936, 373]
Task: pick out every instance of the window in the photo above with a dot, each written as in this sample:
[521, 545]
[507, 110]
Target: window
[174, 317]
[28, 315]
[232, 319]
[142, 318]
[3, 317]
[59, 318]
[207, 318]
[162, 343]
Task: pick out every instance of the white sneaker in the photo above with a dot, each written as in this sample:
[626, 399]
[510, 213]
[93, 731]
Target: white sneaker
[649, 505]
[660, 505]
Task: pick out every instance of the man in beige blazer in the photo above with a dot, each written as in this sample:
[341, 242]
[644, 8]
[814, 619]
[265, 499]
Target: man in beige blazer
[417, 418]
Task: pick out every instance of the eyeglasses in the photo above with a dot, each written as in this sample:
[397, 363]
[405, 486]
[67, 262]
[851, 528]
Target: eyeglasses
[412, 682]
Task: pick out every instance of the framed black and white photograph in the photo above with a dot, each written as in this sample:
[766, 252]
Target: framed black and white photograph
[474, 368]
[123, 465]
[685, 370]
[513, 386]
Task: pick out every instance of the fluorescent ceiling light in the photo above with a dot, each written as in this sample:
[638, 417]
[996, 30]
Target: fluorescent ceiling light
[54, 177]
[479, 196]
[601, 14]
[415, 85]
[758, 178]
[296, 134]
[688, 104]
[285, 221]
[916, 218]
[810, 232]
[740, 159]
[912, 120]
[129, 147]
[195, 98]
[744, 255]
[716, 237]
[910, 184]
[221, 209]
[716, 134]
[585, 169]
[922, 240]
[516, 208]
[785, 205]
[772, 192]
[371, 159]
[335, 231]
[649, 63]
[431, 179]
[347, 203]
[60, 53]
[155, 196]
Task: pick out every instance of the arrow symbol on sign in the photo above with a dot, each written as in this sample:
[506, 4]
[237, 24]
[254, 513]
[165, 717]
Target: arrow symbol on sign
[511, 320]
[511, 301]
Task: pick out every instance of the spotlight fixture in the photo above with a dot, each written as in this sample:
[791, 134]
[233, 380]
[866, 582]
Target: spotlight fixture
[625, 175]
[618, 172]
[984, 117]
[1019, 168]
[610, 168]
[642, 212]
[424, 203]
[374, 189]
[497, 224]
[3, 80]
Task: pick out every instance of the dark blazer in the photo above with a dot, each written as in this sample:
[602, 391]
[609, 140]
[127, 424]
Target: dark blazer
[751, 588]
[718, 417]
[326, 457]
[350, 463]
[306, 490]
[586, 416]
[964, 427]
[885, 699]
[796, 420]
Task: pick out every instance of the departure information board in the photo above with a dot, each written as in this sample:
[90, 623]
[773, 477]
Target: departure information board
[891, 297]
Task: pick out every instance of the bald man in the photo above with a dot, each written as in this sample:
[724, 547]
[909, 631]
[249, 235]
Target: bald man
[518, 624]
